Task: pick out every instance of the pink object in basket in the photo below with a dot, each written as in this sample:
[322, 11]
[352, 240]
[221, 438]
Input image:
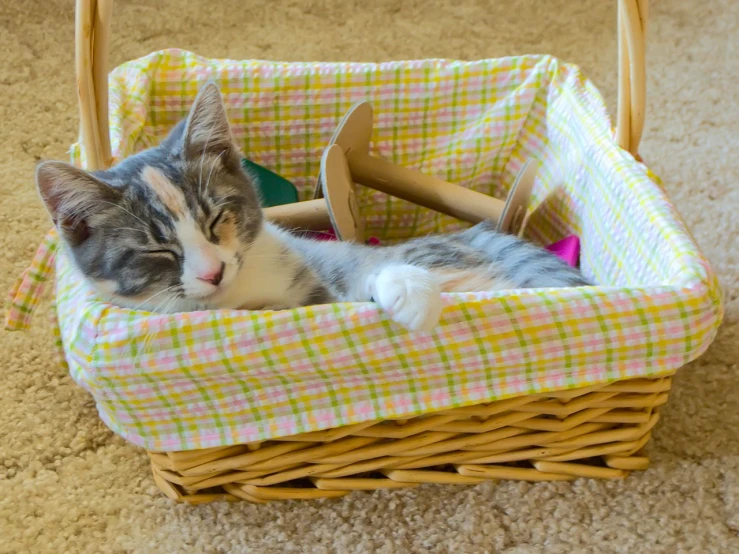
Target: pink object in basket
[331, 235]
[568, 249]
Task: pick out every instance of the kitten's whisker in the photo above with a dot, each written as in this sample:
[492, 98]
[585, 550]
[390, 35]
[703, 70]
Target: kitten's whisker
[210, 174]
[163, 307]
[124, 209]
[160, 308]
[131, 229]
[221, 204]
[149, 337]
[202, 158]
[154, 296]
[171, 301]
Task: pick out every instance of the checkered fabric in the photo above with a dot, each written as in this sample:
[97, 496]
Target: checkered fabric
[203, 379]
[25, 296]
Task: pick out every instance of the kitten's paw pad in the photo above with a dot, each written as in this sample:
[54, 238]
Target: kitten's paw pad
[410, 295]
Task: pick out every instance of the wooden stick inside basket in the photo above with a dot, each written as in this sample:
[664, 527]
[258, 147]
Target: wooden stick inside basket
[311, 215]
[339, 209]
[353, 135]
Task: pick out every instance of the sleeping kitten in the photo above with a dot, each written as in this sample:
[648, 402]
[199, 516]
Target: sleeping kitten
[179, 227]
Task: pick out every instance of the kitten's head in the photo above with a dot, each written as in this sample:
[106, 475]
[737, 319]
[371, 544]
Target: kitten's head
[168, 226]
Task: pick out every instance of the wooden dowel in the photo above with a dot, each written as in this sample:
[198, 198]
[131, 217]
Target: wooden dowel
[311, 215]
[424, 190]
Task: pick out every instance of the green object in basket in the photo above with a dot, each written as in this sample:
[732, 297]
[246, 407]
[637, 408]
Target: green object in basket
[273, 189]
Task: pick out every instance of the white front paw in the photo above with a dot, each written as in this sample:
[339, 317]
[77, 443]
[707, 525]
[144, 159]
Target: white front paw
[410, 295]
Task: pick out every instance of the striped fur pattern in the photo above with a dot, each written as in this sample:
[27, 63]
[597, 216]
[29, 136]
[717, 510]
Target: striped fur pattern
[179, 227]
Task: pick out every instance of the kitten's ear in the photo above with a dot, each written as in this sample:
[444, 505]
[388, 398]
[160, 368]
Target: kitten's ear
[73, 198]
[207, 130]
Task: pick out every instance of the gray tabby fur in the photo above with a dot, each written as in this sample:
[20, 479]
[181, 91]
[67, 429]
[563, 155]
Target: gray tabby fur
[179, 227]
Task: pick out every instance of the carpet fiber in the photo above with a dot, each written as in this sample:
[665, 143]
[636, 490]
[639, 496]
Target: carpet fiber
[67, 484]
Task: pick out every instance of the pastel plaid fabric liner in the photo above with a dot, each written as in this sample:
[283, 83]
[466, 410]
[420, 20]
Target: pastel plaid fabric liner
[196, 380]
[25, 296]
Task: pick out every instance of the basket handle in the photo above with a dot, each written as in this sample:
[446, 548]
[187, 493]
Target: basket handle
[91, 41]
[632, 73]
[92, 38]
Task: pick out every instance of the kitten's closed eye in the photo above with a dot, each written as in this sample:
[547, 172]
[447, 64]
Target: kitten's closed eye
[164, 252]
[214, 225]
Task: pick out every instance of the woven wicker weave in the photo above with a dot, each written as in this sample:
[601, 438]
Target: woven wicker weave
[587, 432]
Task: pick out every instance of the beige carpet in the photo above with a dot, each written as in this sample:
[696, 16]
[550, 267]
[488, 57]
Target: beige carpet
[68, 485]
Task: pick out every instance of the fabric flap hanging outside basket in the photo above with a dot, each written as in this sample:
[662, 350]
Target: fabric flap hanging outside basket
[322, 400]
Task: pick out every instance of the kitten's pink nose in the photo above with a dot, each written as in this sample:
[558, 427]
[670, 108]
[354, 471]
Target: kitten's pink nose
[214, 276]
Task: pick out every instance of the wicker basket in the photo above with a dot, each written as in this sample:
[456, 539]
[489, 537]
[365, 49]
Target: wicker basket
[594, 431]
